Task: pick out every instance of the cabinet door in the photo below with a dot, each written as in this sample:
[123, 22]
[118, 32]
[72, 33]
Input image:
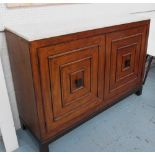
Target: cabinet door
[125, 54]
[72, 76]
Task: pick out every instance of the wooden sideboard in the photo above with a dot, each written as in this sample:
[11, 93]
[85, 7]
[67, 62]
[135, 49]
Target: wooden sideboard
[60, 82]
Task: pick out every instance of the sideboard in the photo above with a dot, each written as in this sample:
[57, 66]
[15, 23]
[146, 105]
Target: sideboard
[62, 81]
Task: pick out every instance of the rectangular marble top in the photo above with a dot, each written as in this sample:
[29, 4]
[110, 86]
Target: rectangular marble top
[46, 29]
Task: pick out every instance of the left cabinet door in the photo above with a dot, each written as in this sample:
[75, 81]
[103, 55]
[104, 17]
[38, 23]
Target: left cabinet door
[72, 76]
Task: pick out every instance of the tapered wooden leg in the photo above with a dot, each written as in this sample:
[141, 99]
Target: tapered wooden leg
[23, 126]
[139, 92]
[43, 147]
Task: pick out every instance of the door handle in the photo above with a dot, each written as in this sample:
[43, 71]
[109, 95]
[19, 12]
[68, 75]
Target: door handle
[79, 83]
[127, 63]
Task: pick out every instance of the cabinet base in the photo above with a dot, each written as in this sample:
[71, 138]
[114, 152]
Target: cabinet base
[22, 125]
[139, 91]
[43, 147]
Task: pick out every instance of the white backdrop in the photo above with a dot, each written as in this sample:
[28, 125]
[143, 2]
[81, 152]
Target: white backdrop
[6, 122]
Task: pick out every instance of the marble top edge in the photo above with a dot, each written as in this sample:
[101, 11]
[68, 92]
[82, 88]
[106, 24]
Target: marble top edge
[30, 33]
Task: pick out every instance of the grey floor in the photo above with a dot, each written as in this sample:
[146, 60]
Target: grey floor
[127, 126]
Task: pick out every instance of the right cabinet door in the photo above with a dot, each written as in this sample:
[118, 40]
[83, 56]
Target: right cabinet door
[125, 56]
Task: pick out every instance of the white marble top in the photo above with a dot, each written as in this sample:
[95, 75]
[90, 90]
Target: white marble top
[45, 29]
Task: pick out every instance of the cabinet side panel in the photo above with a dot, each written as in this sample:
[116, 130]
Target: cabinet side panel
[18, 50]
